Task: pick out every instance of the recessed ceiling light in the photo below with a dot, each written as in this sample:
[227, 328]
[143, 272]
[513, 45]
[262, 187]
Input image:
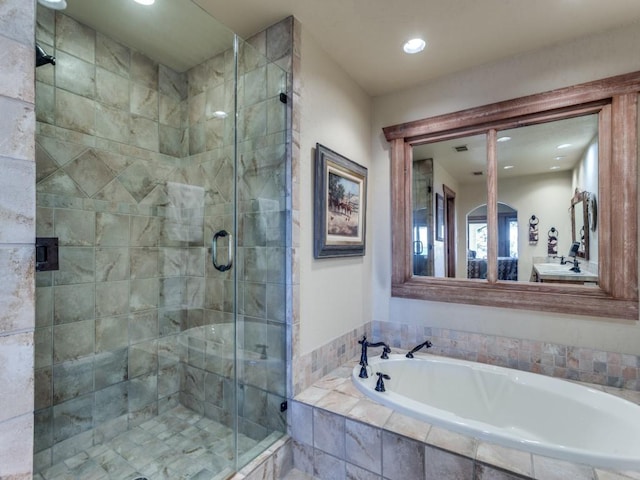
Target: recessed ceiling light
[145, 2]
[559, 157]
[220, 114]
[415, 45]
[53, 4]
[508, 167]
[564, 145]
[555, 167]
[504, 139]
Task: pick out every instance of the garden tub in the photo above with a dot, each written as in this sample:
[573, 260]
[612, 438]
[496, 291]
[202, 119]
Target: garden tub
[527, 411]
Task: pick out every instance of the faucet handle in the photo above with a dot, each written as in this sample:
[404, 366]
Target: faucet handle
[380, 383]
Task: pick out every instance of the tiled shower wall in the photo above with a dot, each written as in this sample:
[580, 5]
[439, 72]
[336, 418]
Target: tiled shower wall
[134, 176]
[17, 209]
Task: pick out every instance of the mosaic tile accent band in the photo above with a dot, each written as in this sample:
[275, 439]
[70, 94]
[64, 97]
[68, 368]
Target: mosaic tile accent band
[556, 360]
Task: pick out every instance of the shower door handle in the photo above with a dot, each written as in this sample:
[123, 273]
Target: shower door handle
[214, 251]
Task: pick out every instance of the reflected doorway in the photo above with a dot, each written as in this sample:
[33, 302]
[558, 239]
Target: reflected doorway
[450, 231]
[477, 245]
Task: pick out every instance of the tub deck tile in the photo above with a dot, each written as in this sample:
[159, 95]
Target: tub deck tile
[348, 388]
[312, 395]
[337, 402]
[330, 382]
[370, 412]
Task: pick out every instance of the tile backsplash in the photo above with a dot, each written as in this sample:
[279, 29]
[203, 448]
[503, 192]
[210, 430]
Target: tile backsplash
[563, 361]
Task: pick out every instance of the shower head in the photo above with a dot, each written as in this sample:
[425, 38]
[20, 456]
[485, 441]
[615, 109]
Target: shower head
[42, 58]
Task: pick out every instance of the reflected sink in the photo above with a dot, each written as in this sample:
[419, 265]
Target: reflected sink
[558, 272]
[554, 268]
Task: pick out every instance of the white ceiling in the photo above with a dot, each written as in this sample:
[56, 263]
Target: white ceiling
[365, 37]
[531, 150]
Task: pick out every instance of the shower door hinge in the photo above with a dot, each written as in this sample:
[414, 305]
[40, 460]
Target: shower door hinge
[283, 97]
[283, 406]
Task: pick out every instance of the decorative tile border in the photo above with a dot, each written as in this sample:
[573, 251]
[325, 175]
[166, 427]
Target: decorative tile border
[311, 367]
[556, 360]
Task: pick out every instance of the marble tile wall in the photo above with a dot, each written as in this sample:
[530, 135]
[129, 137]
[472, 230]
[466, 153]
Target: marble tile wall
[111, 131]
[135, 175]
[17, 210]
[612, 369]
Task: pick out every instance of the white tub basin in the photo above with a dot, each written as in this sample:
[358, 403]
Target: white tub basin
[518, 409]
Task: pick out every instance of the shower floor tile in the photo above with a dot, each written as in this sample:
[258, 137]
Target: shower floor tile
[176, 445]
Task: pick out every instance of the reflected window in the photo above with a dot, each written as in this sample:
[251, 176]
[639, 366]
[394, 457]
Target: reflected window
[477, 239]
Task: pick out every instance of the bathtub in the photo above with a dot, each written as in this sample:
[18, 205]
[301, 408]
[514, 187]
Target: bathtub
[527, 411]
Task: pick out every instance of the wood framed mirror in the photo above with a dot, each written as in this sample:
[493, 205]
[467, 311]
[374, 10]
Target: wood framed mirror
[614, 101]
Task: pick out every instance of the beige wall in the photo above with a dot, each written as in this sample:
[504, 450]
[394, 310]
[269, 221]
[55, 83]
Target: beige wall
[335, 292]
[17, 214]
[586, 59]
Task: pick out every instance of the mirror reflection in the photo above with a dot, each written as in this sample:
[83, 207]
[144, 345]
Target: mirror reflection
[452, 185]
[539, 169]
[507, 243]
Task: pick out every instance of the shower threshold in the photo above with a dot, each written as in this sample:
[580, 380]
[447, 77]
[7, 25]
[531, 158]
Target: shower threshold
[178, 443]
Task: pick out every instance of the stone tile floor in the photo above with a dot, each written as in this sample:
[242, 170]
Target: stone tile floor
[176, 445]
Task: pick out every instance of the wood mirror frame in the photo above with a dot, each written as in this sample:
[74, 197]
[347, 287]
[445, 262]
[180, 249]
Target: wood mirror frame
[615, 100]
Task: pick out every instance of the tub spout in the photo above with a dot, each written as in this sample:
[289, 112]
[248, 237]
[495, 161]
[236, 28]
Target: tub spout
[426, 344]
[385, 351]
[380, 383]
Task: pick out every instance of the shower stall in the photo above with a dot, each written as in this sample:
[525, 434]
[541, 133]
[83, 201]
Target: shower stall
[162, 178]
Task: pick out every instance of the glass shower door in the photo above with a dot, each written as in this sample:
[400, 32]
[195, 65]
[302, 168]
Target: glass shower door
[149, 360]
[261, 204]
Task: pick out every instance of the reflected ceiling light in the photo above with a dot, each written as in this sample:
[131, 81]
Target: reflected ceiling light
[508, 167]
[555, 167]
[564, 145]
[559, 157]
[415, 45]
[503, 139]
[54, 4]
[145, 2]
[220, 114]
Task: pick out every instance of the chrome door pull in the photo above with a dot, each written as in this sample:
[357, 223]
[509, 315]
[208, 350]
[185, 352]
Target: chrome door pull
[214, 251]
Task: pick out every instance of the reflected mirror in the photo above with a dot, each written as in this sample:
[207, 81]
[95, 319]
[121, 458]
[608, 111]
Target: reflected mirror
[539, 167]
[580, 205]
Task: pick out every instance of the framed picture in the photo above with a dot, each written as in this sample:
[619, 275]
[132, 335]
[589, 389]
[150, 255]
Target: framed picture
[439, 218]
[340, 194]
